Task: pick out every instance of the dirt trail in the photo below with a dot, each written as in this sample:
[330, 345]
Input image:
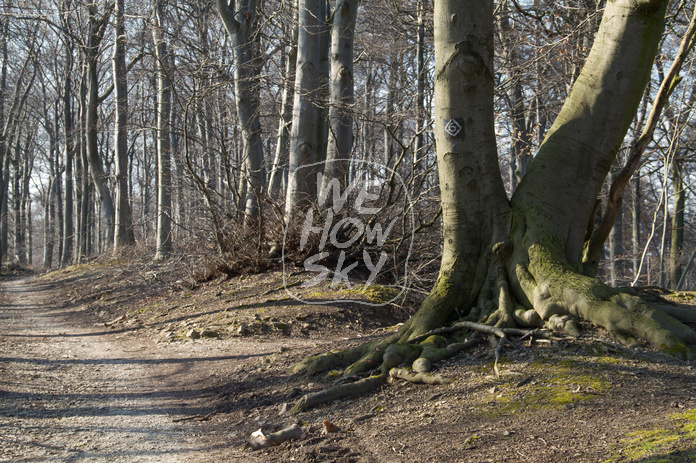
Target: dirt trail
[82, 378]
[73, 392]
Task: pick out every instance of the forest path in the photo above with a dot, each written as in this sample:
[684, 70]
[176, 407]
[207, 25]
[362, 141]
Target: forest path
[73, 391]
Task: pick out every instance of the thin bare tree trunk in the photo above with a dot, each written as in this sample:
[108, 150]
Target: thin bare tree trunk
[164, 200]
[123, 228]
[96, 166]
[282, 145]
[342, 96]
[239, 19]
[303, 150]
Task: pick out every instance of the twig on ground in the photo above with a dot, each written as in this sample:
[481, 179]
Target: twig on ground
[194, 418]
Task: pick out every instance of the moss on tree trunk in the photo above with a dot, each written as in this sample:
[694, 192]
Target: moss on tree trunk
[518, 263]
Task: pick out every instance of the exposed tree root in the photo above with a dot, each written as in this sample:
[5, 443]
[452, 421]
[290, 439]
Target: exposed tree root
[558, 290]
[682, 314]
[549, 296]
[390, 356]
[416, 377]
[338, 392]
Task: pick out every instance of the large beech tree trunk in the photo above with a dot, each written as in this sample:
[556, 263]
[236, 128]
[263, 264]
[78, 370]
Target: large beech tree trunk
[519, 262]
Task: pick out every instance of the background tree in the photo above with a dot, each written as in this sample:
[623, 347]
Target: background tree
[303, 137]
[239, 19]
[123, 229]
[164, 173]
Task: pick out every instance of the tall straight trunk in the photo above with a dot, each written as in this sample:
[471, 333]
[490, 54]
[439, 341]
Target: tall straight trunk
[96, 167]
[29, 234]
[180, 214]
[18, 241]
[5, 133]
[239, 19]
[418, 152]
[97, 27]
[9, 120]
[59, 207]
[464, 72]
[323, 92]
[616, 257]
[635, 222]
[123, 228]
[4, 233]
[145, 188]
[282, 144]
[368, 141]
[68, 233]
[204, 136]
[49, 221]
[81, 180]
[303, 150]
[26, 203]
[84, 207]
[677, 232]
[164, 173]
[342, 95]
[389, 115]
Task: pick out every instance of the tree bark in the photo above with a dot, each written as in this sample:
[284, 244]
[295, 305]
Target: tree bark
[27, 167]
[342, 97]
[164, 173]
[519, 263]
[303, 150]
[17, 190]
[677, 232]
[418, 152]
[279, 170]
[669, 83]
[66, 249]
[123, 229]
[239, 19]
[97, 28]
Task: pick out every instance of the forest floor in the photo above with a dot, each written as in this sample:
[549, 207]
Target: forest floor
[109, 362]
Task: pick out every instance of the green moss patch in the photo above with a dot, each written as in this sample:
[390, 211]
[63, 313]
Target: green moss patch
[546, 384]
[674, 443]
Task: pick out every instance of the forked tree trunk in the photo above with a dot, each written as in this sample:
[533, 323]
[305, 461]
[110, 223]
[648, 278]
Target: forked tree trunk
[519, 263]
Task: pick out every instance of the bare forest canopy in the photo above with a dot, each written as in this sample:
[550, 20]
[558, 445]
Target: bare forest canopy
[176, 126]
